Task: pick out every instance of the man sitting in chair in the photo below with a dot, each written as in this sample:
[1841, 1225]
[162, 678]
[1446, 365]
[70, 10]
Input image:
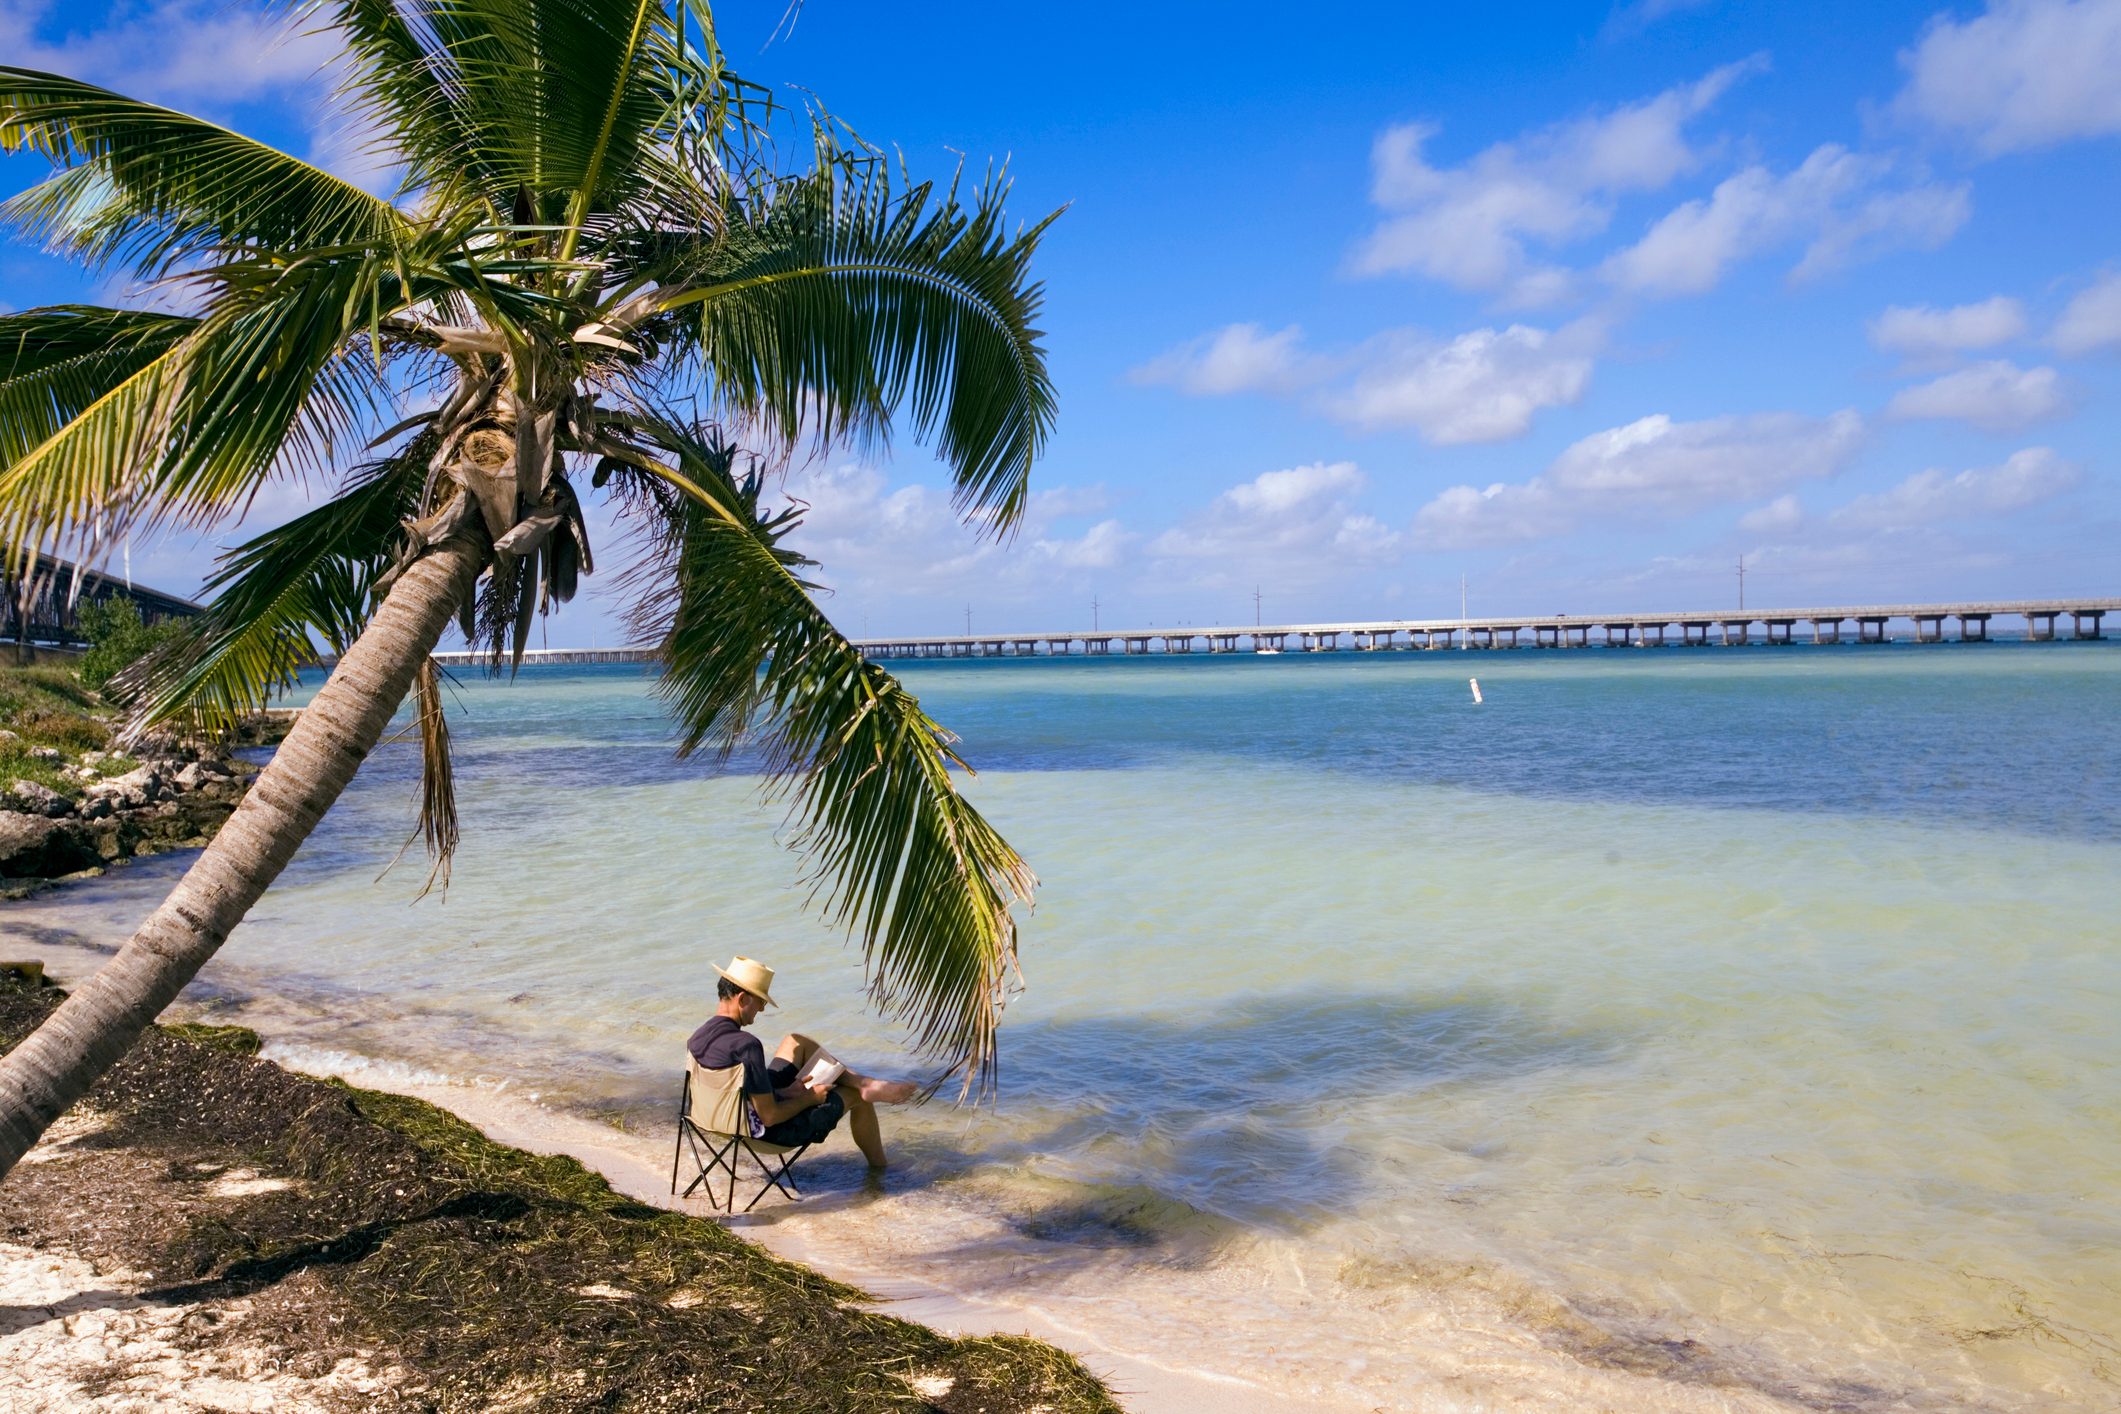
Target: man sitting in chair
[782, 1111]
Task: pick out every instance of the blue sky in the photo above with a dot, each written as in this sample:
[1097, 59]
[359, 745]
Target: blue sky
[1580, 303]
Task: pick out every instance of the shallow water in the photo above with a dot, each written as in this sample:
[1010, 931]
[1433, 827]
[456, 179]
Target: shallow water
[1745, 1018]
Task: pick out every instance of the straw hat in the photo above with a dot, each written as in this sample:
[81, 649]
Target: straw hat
[752, 975]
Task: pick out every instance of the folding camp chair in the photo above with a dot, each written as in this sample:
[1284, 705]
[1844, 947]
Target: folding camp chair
[715, 1124]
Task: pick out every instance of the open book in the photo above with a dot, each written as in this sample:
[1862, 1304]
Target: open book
[824, 1069]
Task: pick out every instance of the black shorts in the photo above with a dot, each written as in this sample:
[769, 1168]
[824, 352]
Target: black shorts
[812, 1124]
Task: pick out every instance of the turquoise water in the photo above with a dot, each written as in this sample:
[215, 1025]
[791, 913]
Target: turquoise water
[1742, 1016]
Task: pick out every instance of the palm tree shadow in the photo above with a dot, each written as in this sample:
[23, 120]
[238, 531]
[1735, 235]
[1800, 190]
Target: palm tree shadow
[1208, 1127]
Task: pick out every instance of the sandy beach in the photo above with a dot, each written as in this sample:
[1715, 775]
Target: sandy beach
[83, 1332]
[1166, 1340]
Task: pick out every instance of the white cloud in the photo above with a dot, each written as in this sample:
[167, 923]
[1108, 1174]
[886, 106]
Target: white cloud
[1997, 395]
[178, 53]
[1483, 386]
[1238, 358]
[1651, 466]
[1469, 226]
[2027, 478]
[2092, 320]
[1299, 524]
[1468, 517]
[1832, 200]
[1629, 19]
[1919, 217]
[1684, 465]
[1777, 517]
[2027, 74]
[1277, 493]
[208, 57]
[1921, 331]
[869, 537]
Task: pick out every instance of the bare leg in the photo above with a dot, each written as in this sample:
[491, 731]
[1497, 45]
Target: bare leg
[881, 1092]
[797, 1050]
[861, 1123]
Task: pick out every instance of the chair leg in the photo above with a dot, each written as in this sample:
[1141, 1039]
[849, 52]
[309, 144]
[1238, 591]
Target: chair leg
[678, 1153]
[713, 1157]
[783, 1180]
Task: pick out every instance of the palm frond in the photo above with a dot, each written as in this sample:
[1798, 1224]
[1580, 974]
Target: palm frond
[828, 302]
[57, 361]
[274, 376]
[402, 82]
[439, 826]
[150, 187]
[901, 859]
[554, 110]
[276, 598]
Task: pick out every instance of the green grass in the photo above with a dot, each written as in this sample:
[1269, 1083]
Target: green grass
[48, 707]
[45, 689]
[235, 1040]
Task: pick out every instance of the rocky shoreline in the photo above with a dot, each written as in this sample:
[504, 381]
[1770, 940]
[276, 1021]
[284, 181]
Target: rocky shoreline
[168, 794]
[73, 802]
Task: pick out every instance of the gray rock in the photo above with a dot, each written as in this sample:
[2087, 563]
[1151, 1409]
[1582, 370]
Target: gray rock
[140, 778]
[193, 776]
[98, 807]
[94, 758]
[33, 799]
[9, 736]
[120, 794]
[34, 847]
[46, 753]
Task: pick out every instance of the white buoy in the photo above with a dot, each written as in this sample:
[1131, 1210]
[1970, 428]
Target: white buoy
[1476, 690]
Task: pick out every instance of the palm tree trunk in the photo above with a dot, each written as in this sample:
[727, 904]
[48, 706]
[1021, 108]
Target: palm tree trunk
[98, 1024]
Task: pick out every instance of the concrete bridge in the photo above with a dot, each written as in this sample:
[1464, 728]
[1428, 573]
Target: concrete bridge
[1867, 623]
[2041, 620]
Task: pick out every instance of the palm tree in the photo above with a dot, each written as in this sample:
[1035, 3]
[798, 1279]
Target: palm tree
[590, 232]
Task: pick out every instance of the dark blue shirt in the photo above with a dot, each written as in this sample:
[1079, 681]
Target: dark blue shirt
[721, 1043]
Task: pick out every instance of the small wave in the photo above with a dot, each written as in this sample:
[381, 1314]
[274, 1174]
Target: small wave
[375, 1072]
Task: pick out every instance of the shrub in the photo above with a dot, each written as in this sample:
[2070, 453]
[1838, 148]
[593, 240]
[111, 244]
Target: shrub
[66, 730]
[54, 690]
[16, 764]
[117, 638]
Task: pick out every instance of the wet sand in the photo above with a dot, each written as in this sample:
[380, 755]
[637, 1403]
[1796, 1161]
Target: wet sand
[1209, 1338]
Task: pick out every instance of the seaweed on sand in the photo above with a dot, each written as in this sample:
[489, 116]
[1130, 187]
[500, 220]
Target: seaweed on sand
[488, 1277]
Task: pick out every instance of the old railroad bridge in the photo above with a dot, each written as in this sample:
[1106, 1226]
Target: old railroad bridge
[1872, 623]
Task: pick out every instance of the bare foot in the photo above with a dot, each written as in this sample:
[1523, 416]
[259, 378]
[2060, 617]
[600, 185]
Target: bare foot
[889, 1092]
